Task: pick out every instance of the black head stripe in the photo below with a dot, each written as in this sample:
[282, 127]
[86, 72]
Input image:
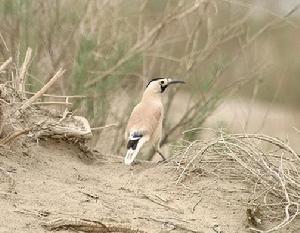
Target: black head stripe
[154, 79]
[163, 88]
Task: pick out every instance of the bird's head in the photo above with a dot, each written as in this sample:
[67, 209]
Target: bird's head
[159, 85]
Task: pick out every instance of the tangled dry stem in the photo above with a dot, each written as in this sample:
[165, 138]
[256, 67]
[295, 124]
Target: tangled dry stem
[20, 116]
[269, 164]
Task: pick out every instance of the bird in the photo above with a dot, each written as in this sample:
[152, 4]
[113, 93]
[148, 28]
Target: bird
[145, 122]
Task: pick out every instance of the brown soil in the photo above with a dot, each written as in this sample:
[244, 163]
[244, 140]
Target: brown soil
[56, 180]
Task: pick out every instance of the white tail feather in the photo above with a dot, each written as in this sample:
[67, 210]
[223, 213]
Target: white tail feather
[131, 153]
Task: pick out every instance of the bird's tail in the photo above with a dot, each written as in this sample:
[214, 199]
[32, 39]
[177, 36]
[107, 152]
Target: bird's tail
[134, 145]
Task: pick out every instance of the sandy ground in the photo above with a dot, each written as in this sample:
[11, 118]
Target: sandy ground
[54, 180]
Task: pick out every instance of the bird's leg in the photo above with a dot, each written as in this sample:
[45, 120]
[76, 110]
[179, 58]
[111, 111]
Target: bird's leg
[157, 150]
[161, 155]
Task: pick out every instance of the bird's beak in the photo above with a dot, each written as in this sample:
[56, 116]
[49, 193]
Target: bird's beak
[176, 81]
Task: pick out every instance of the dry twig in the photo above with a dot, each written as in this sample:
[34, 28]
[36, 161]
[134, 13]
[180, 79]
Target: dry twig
[58, 96]
[21, 78]
[273, 172]
[58, 74]
[85, 225]
[105, 126]
[172, 224]
[5, 64]
[51, 103]
[152, 199]
[146, 41]
[13, 136]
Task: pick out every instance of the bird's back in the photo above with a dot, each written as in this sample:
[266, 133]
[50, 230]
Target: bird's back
[145, 123]
[145, 118]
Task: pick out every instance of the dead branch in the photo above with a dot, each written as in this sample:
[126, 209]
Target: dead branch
[60, 130]
[85, 225]
[75, 224]
[13, 136]
[85, 123]
[3, 41]
[41, 122]
[58, 74]
[147, 40]
[5, 64]
[51, 103]
[172, 224]
[104, 127]
[297, 130]
[58, 96]
[21, 78]
[152, 199]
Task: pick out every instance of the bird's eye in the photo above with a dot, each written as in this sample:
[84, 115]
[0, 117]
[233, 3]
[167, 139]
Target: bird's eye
[162, 82]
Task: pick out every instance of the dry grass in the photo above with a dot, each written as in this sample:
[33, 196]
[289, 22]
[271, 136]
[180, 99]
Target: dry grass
[270, 166]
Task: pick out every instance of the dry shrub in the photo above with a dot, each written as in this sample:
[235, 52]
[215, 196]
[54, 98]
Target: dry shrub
[29, 117]
[268, 164]
[110, 49]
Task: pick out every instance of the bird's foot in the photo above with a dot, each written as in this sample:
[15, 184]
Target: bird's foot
[134, 163]
[162, 161]
[163, 158]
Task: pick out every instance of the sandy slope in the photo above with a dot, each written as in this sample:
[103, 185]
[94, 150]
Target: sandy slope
[54, 180]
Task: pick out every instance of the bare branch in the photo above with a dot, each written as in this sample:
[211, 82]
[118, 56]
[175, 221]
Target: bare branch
[58, 96]
[4, 43]
[104, 127]
[12, 136]
[142, 44]
[5, 64]
[51, 103]
[58, 74]
[21, 78]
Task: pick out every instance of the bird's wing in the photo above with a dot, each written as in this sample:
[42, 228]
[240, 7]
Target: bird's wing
[144, 119]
